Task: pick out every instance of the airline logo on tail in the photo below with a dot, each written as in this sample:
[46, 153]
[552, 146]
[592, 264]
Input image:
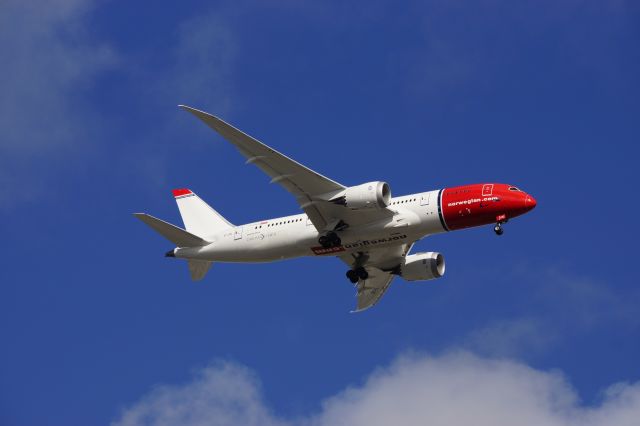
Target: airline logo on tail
[182, 193]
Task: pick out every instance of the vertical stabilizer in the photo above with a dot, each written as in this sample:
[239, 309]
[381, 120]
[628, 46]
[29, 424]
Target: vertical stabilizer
[198, 217]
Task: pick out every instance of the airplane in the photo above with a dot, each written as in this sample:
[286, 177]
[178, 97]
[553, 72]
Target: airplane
[362, 225]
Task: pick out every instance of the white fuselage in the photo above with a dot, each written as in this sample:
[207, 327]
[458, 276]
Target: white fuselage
[416, 216]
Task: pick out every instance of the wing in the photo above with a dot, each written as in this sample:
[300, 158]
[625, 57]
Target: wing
[311, 189]
[380, 264]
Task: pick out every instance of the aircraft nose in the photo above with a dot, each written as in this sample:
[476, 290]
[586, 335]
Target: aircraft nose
[530, 202]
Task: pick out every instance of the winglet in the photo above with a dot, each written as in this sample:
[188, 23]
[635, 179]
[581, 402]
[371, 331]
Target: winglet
[225, 129]
[202, 115]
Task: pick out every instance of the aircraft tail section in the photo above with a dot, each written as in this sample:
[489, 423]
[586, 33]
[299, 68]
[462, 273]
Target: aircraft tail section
[198, 217]
[181, 238]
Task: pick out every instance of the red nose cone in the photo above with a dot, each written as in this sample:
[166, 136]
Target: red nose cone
[530, 202]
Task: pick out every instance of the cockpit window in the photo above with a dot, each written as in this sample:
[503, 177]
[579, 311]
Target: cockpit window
[513, 188]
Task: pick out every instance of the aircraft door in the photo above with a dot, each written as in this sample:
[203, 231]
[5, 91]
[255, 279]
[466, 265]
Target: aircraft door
[237, 235]
[424, 200]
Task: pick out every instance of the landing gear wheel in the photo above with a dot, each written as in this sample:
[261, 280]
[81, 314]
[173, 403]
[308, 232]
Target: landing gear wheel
[362, 273]
[498, 229]
[330, 240]
[324, 242]
[334, 239]
[353, 276]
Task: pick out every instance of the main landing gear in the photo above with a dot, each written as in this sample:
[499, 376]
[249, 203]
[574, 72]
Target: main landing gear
[356, 274]
[330, 240]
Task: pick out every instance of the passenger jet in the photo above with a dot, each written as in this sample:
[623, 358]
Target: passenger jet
[363, 225]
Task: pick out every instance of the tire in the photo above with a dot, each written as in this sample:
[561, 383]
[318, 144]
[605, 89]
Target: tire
[352, 276]
[362, 273]
[498, 230]
[330, 240]
[334, 240]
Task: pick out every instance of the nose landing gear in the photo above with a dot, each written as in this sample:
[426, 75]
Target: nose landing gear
[500, 220]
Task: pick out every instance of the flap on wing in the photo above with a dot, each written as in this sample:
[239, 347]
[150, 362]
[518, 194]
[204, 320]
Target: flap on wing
[371, 290]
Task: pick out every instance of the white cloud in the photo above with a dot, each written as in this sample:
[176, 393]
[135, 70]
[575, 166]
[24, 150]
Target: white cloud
[512, 337]
[221, 394]
[204, 56]
[453, 389]
[49, 62]
[586, 302]
[197, 70]
[550, 306]
[52, 61]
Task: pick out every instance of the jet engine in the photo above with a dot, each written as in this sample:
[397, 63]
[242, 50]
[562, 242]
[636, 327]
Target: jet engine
[372, 195]
[422, 266]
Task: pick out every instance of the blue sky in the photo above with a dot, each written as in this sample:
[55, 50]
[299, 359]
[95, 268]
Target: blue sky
[541, 325]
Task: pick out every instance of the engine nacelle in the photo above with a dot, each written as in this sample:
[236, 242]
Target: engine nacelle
[422, 266]
[372, 195]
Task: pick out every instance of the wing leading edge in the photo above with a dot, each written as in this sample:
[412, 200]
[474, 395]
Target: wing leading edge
[299, 180]
[310, 188]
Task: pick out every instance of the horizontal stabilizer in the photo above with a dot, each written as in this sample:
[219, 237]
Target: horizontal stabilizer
[178, 236]
[198, 269]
